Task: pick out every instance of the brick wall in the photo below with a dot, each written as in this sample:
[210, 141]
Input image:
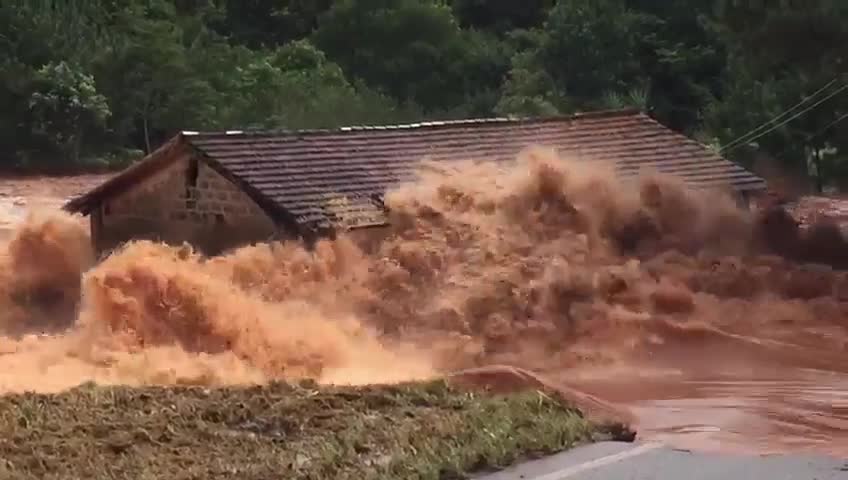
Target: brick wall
[187, 201]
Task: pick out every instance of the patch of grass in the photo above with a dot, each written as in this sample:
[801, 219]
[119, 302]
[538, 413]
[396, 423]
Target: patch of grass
[422, 431]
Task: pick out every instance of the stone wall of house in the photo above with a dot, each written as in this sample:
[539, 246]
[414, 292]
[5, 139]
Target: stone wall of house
[185, 202]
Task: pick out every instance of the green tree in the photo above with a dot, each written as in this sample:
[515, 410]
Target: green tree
[35, 33]
[529, 89]
[65, 105]
[269, 23]
[786, 75]
[682, 56]
[501, 16]
[412, 50]
[584, 52]
[150, 79]
[296, 86]
[159, 66]
[658, 56]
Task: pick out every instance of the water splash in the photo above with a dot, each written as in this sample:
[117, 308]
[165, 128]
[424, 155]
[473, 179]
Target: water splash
[545, 264]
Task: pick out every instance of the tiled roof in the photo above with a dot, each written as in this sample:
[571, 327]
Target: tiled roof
[326, 177]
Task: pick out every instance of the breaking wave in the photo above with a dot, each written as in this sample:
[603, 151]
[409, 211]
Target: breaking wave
[544, 264]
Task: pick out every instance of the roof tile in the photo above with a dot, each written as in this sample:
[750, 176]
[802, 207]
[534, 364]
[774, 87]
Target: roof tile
[305, 171]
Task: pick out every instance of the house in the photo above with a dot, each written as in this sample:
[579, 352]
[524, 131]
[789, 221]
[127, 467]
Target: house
[219, 190]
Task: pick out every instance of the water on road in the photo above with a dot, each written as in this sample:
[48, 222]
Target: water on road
[736, 402]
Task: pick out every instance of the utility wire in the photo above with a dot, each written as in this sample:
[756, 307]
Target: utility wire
[744, 138]
[841, 117]
[734, 145]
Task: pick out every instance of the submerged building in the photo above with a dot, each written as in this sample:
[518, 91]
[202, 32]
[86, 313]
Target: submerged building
[218, 190]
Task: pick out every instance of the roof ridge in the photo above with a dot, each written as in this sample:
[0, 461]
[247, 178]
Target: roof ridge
[422, 124]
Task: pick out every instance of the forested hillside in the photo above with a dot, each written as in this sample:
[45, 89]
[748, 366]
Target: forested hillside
[96, 82]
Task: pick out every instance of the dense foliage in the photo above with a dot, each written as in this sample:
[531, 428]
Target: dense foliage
[109, 79]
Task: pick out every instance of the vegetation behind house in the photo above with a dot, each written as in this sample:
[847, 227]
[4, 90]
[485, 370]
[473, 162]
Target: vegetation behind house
[95, 83]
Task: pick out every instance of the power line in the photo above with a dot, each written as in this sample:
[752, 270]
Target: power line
[841, 117]
[744, 138]
[793, 117]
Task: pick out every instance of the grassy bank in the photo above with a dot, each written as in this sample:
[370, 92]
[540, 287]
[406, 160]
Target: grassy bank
[427, 431]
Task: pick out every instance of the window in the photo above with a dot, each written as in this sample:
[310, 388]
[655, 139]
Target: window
[191, 184]
[191, 174]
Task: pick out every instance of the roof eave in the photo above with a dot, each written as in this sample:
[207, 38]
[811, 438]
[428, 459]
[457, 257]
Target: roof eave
[152, 163]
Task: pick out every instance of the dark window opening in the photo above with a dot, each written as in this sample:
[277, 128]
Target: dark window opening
[107, 209]
[191, 174]
[219, 219]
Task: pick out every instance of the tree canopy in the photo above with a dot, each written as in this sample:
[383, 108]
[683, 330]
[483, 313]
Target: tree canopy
[93, 82]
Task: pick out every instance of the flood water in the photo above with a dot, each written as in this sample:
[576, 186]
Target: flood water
[806, 411]
[738, 402]
[737, 351]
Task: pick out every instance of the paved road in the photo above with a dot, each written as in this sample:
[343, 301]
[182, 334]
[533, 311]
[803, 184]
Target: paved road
[653, 461]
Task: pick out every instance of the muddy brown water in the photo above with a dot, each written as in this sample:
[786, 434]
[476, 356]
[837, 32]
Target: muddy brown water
[736, 399]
